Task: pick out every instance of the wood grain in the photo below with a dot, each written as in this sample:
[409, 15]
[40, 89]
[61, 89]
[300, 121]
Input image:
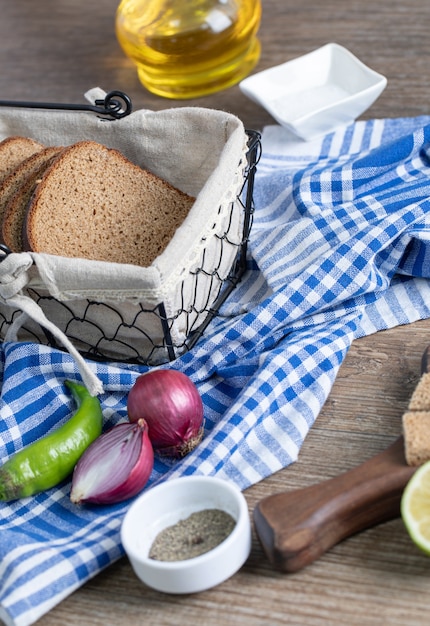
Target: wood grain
[55, 50]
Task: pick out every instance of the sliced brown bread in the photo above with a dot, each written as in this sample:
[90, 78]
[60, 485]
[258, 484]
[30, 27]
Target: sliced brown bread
[416, 432]
[16, 209]
[420, 399]
[94, 203]
[13, 151]
[416, 423]
[17, 178]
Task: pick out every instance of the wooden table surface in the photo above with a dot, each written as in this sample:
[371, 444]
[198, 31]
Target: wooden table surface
[57, 49]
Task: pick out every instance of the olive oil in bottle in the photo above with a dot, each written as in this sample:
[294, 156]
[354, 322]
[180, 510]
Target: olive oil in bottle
[189, 48]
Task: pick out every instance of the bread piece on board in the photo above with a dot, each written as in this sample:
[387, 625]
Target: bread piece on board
[13, 151]
[16, 209]
[420, 399]
[94, 203]
[17, 178]
[416, 432]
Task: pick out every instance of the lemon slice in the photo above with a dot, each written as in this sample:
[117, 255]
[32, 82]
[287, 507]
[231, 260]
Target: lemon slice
[415, 507]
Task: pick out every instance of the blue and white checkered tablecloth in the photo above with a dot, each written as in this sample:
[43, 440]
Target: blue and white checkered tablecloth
[340, 248]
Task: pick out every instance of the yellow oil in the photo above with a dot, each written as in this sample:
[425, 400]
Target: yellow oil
[189, 48]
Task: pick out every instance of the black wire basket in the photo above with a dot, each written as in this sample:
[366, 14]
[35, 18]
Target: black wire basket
[151, 327]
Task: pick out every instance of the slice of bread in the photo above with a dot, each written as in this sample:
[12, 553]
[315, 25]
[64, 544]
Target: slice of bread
[13, 151]
[420, 399]
[11, 186]
[94, 203]
[416, 423]
[416, 432]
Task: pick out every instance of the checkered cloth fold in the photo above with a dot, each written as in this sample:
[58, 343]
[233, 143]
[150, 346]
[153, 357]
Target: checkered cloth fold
[340, 248]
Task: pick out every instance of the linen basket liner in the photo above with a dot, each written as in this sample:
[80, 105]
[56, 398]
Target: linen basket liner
[201, 152]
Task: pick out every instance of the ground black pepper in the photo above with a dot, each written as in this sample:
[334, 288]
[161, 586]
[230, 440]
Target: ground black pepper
[200, 532]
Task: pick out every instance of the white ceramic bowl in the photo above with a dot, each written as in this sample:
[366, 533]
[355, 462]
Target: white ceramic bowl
[164, 505]
[313, 94]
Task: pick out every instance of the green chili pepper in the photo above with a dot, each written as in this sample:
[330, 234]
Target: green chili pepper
[51, 459]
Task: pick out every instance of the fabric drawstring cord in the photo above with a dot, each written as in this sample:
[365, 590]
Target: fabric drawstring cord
[13, 278]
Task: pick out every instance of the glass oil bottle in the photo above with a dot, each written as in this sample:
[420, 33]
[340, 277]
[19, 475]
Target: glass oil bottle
[189, 48]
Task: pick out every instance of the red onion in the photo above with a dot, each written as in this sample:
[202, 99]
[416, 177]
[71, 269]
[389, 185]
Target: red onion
[115, 467]
[172, 407]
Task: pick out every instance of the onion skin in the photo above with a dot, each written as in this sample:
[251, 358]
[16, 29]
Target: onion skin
[171, 405]
[115, 467]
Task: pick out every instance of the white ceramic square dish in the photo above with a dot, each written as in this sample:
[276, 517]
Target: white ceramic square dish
[313, 94]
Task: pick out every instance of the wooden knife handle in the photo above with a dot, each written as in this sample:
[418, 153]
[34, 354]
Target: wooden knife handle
[297, 527]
